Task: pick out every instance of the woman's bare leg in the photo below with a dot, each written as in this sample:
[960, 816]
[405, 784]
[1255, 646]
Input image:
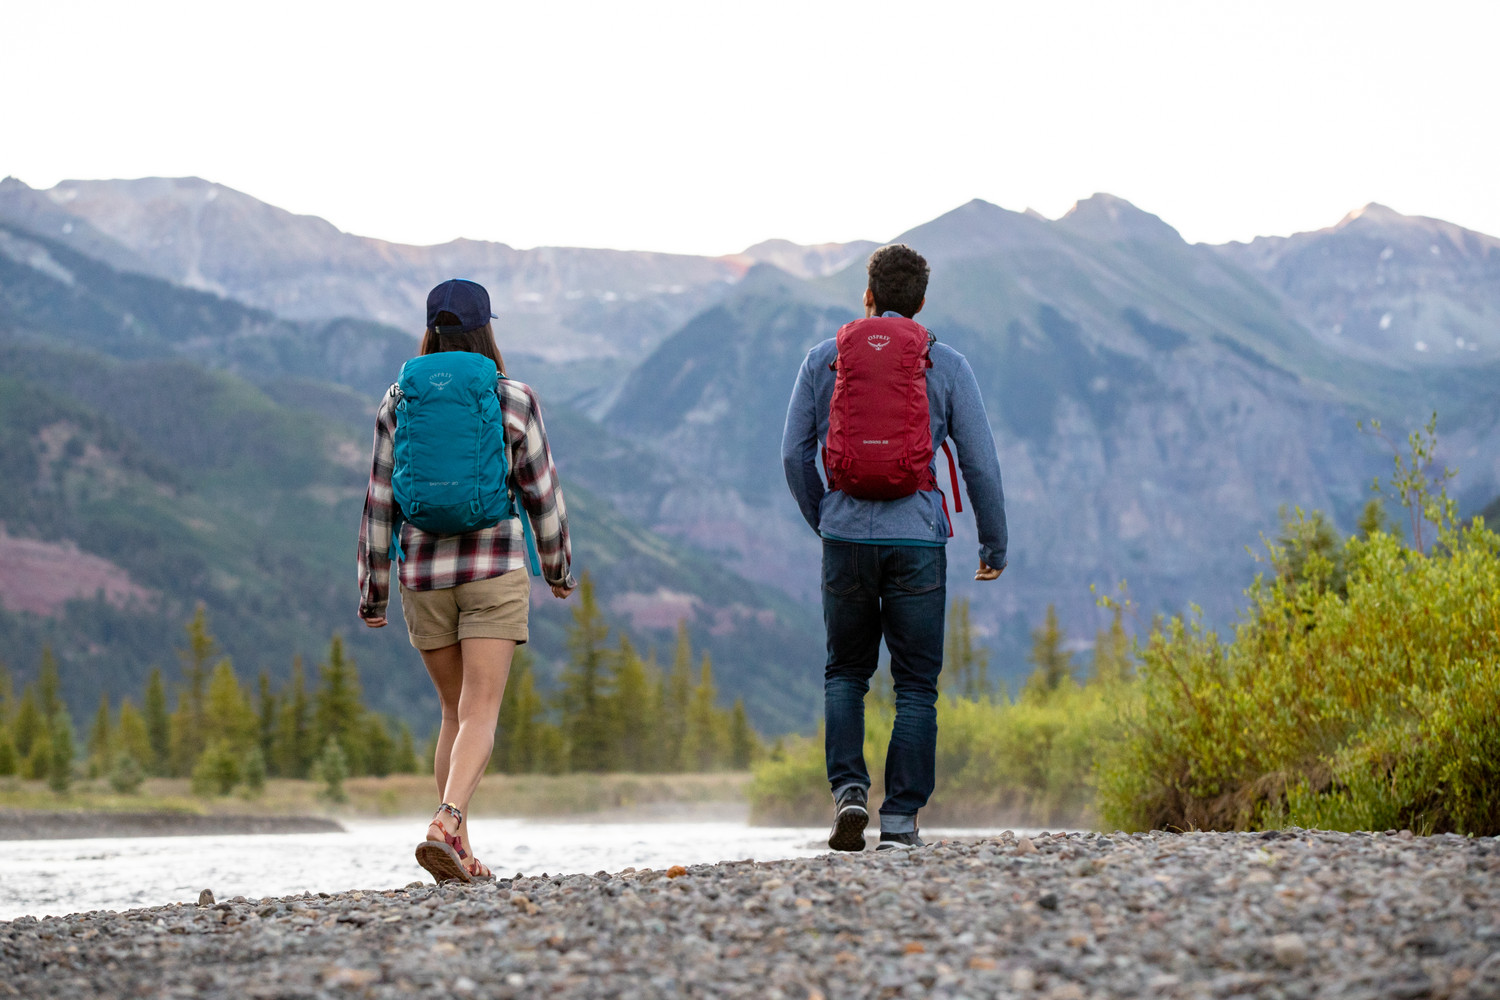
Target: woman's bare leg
[470, 679]
[446, 668]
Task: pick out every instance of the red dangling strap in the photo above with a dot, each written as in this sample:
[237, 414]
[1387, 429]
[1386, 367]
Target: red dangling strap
[958, 497]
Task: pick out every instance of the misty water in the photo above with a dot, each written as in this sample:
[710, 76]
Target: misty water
[58, 877]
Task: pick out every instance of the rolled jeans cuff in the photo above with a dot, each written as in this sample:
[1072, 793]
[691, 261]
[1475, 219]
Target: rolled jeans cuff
[897, 824]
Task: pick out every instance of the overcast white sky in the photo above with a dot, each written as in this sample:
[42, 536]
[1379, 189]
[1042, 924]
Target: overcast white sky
[704, 127]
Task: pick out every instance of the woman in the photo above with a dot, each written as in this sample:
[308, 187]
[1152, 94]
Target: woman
[464, 596]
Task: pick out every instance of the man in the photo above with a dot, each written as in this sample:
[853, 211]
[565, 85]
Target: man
[884, 560]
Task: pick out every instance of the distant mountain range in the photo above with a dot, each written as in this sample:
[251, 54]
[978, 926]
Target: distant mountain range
[1154, 402]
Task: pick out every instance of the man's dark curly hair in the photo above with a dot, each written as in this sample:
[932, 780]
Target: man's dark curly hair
[898, 279]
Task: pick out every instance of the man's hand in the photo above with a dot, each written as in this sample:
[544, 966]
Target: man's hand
[374, 622]
[987, 572]
[560, 591]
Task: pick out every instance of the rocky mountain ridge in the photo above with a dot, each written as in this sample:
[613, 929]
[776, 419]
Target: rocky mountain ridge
[558, 303]
[1155, 403]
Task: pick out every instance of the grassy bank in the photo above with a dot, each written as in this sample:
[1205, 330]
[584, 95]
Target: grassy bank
[406, 795]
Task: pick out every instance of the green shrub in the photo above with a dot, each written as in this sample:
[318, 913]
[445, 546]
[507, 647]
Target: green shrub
[126, 776]
[217, 770]
[332, 769]
[1358, 693]
[255, 771]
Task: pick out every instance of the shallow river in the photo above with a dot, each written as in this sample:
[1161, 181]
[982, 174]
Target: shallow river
[58, 877]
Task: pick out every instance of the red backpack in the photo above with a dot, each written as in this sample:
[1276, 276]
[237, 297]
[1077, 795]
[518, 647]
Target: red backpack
[879, 443]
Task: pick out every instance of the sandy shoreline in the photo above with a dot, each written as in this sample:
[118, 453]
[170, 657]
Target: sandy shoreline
[18, 824]
[1067, 917]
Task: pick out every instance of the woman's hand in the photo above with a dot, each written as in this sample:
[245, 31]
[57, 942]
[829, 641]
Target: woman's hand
[374, 622]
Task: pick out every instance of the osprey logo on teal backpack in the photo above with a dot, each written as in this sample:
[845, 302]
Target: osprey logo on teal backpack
[452, 469]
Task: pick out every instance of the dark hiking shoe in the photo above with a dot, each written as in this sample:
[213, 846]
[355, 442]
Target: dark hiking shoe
[900, 842]
[850, 816]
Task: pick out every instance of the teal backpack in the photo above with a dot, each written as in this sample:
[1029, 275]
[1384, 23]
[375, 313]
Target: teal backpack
[452, 470]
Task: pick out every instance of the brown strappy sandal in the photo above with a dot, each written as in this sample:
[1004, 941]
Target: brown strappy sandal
[446, 859]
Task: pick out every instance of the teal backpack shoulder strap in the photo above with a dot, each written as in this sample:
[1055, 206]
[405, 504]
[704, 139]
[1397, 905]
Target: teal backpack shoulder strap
[533, 559]
[398, 517]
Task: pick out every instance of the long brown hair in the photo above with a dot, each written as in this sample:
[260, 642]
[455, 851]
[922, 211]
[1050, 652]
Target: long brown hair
[480, 341]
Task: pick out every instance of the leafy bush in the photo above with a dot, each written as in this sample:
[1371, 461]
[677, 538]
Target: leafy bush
[1360, 692]
[332, 768]
[126, 776]
[1027, 763]
[217, 770]
[255, 771]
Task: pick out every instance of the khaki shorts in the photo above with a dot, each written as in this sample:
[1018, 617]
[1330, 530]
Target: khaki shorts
[485, 609]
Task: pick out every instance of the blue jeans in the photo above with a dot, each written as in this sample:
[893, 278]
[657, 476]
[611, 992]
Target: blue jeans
[899, 593]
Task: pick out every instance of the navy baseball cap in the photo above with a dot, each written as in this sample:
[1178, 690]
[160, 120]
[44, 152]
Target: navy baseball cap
[465, 299]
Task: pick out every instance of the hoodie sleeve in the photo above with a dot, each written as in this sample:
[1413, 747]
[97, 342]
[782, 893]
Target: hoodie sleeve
[799, 447]
[969, 426]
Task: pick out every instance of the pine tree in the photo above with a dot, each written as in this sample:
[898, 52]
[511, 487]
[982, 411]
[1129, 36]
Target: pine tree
[134, 738]
[10, 761]
[158, 724]
[228, 713]
[584, 698]
[7, 697]
[266, 705]
[338, 713]
[188, 735]
[255, 770]
[184, 741]
[37, 765]
[333, 768]
[1112, 653]
[1054, 665]
[29, 723]
[100, 745]
[49, 685]
[292, 750]
[60, 761]
[703, 747]
[126, 776]
[380, 749]
[406, 752]
[519, 719]
[744, 745]
[675, 693]
[631, 700]
[1302, 538]
[217, 770]
[965, 668]
[1375, 520]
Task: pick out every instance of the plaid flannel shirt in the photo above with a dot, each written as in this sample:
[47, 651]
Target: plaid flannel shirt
[435, 562]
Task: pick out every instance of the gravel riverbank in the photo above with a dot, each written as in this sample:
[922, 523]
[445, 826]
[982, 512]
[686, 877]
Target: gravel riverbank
[1294, 914]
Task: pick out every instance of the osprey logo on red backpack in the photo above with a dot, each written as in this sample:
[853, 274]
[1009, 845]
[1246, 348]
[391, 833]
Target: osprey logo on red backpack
[878, 341]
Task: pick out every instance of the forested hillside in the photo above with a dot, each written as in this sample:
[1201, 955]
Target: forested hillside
[166, 448]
